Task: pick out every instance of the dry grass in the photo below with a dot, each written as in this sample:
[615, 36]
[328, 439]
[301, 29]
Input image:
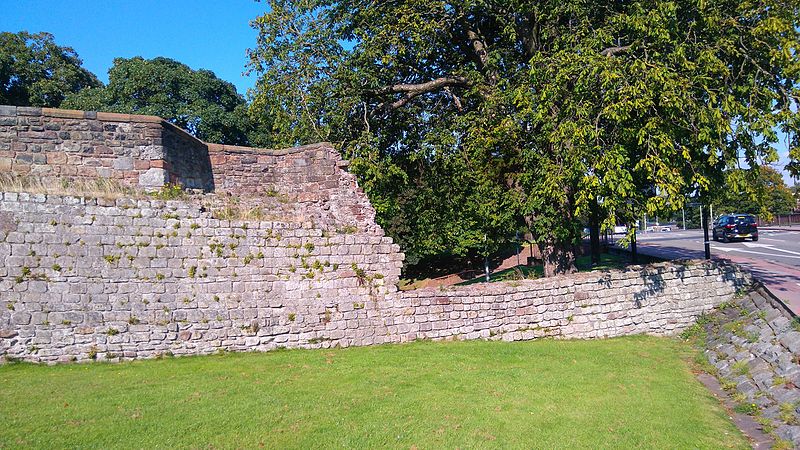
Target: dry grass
[101, 187]
[227, 208]
[236, 212]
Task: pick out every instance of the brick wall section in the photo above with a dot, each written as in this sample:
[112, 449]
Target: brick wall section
[308, 182]
[83, 145]
[136, 278]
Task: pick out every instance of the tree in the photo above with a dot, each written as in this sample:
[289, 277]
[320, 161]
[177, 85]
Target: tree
[763, 193]
[195, 100]
[34, 71]
[530, 112]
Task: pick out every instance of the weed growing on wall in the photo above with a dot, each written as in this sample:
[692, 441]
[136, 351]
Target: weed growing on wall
[100, 188]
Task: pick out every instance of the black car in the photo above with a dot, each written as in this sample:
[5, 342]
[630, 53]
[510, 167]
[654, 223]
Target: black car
[735, 226]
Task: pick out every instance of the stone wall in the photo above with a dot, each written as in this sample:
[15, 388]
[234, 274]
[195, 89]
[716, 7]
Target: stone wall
[96, 278]
[85, 278]
[658, 299]
[309, 182]
[137, 278]
[301, 184]
[137, 150]
[752, 345]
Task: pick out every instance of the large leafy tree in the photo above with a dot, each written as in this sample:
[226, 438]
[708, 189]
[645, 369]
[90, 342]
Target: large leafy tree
[761, 192]
[35, 71]
[467, 118]
[196, 100]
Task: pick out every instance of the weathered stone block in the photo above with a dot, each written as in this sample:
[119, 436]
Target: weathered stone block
[154, 178]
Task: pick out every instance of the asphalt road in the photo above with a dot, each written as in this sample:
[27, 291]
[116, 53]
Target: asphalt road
[774, 259]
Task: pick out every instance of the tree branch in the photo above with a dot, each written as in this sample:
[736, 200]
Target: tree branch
[414, 90]
[479, 48]
[611, 51]
[456, 100]
[421, 88]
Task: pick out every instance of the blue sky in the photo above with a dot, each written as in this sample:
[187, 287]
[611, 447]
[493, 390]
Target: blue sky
[204, 34]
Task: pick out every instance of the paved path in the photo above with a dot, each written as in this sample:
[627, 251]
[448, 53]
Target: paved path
[774, 259]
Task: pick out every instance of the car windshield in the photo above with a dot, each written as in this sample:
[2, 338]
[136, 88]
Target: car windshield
[745, 220]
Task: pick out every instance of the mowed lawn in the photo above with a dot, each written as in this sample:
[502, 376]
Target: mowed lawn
[622, 393]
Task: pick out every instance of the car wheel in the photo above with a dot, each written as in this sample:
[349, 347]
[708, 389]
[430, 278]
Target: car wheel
[725, 237]
[714, 236]
[755, 238]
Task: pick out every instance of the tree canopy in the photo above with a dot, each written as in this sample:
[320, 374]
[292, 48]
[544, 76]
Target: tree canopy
[763, 193]
[35, 71]
[467, 119]
[196, 100]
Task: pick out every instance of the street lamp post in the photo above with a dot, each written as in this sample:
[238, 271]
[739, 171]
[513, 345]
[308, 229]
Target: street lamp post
[683, 210]
[706, 243]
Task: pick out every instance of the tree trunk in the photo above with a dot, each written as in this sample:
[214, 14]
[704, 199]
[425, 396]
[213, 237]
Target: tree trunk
[558, 258]
[594, 232]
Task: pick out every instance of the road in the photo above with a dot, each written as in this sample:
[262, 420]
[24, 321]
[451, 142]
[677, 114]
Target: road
[774, 259]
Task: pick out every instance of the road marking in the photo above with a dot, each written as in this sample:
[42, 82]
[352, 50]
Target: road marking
[770, 247]
[729, 249]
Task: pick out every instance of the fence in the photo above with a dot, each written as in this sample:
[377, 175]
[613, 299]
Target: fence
[781, 220]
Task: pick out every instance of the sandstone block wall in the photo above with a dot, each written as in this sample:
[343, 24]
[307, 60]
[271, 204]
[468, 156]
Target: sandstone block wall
[84, 278]
[308, 182]
[299, 184]
[134, 278]
[659, 299]
[61, 144]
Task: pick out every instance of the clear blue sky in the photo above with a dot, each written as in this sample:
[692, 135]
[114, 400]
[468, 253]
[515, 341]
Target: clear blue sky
[204, 34]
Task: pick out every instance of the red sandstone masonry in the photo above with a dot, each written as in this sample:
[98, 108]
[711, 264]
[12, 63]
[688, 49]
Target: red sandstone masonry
[83, 145]
[306, 184]
[311, 179]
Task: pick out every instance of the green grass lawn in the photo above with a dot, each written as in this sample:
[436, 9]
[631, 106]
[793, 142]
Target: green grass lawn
[635, 392]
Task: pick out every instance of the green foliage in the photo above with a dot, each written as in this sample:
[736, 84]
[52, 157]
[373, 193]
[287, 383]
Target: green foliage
[111, 259]
[740, 368]
[751, 409]
[762, 192]
[169, 191]
[787, 413]
[466, 121]
[35, 71]
[195, 100]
